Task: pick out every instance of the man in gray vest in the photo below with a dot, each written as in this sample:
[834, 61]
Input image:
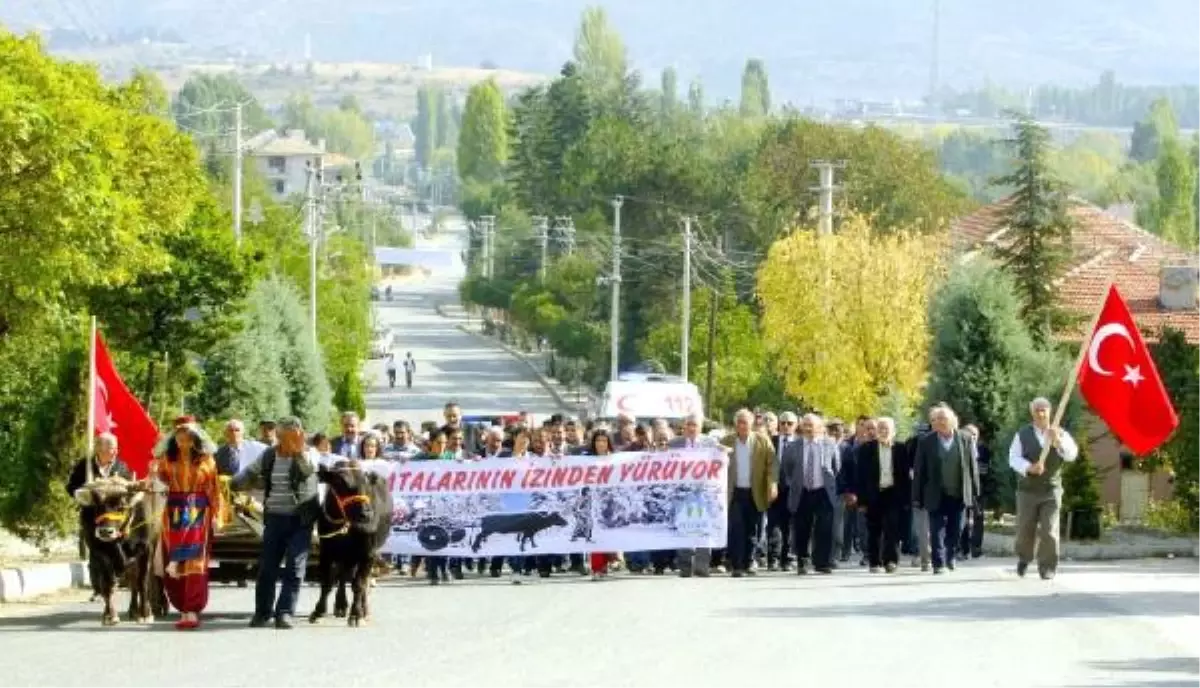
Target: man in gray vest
[287, 473]
[945, 481]
[1039, 487]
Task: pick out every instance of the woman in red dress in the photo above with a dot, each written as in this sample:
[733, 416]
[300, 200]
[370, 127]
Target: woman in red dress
[188, 470]
[601, 445]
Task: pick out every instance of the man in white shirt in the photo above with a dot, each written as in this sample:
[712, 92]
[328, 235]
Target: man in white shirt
[753, 475]
[1039, 487]
[237, 451]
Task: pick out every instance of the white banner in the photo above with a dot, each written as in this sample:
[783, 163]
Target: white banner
[626, 502]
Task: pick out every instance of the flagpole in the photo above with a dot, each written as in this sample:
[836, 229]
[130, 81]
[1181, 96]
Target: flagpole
[1073, 373]
[91, 401]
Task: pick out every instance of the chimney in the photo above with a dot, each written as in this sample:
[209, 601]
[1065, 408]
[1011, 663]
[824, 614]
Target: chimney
[1179, 287]
[321, 144]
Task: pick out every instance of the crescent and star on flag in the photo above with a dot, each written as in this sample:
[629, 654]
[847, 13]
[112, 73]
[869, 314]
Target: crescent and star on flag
[1133, 373]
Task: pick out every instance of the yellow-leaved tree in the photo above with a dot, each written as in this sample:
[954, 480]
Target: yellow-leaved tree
[845, 314]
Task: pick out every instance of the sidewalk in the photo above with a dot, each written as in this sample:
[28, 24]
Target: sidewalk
[27, 573]
[538, 361]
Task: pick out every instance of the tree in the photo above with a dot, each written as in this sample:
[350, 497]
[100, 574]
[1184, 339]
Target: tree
[739, 355]
[188, 306]
[32, 505]
[1149, 133]
[756, 93]
[205, 104]
[272, 368]
[349, 103]
[696, 97]
[447, 126]
[425, 125]
[599, 53]
[1173, 213]
[483, 143]
[345, 130]
[1039, 228]
[983, 361]
[847, 331]
[670, 88]
[897, 181]
[1179, 364]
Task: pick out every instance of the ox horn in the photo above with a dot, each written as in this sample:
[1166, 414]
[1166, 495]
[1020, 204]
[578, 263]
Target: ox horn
[84, 497]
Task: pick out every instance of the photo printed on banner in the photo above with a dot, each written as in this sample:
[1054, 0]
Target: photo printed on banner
[622, 509]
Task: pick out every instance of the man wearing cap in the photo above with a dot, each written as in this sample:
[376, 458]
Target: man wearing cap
[288, 476]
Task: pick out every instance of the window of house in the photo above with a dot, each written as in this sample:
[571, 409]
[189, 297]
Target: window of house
[280, 187]
[277, 163]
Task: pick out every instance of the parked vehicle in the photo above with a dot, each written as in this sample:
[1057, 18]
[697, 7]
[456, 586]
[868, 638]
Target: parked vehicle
[381, 342]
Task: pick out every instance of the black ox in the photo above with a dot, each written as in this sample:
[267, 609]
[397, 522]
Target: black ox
[122, 525]
[525, 526]
[354, 524]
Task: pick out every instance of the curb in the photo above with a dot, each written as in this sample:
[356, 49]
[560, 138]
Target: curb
[545, 382]
[1002, 545]
[18, 584]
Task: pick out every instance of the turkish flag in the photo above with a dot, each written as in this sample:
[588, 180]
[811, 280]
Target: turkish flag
[1118, 379]
[119, 412]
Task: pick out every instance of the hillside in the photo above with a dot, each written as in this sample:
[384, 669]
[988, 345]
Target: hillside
[383, 90]
[814, 51]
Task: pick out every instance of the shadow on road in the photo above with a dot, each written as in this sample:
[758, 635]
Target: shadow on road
[89, 621]
[1053, 605]
[1179, 671]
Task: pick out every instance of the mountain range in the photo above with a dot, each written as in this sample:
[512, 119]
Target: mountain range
[814, 51]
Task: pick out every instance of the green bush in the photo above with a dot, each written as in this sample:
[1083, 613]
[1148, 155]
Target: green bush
[35, 506]
[271, 367]
[1171, 516]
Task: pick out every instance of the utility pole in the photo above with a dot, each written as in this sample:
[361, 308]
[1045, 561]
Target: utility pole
[310, 220]
[614, 324]
[826, 189]
[541, 226]
[712, 338]
[237, 173]
[686, 326]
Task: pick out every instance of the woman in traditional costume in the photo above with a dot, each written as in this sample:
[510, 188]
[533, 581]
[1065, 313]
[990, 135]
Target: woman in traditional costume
[189, 471]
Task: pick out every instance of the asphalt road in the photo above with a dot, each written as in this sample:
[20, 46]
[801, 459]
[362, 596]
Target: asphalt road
[1132, 624]
[451, 364]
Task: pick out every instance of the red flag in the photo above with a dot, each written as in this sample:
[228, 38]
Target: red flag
[1118, 379]
[119, 412]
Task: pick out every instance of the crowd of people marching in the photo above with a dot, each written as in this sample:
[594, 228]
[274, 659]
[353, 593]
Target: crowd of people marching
[805, 493]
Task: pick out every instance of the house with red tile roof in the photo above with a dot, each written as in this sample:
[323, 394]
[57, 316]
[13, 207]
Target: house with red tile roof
[1161, 284]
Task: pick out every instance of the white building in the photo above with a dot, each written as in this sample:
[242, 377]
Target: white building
[284, 159]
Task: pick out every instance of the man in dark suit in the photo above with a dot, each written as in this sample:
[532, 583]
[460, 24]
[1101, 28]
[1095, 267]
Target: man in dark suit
[971, 544]
[810, 469]
[347, 443]
[945, 481]
[882, 490]
[779, 519]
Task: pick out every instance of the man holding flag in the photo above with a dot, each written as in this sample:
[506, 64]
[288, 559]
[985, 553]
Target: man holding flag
[1118, 379]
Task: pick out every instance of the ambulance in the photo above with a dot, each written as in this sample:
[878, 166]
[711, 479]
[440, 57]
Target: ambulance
[647, 396]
